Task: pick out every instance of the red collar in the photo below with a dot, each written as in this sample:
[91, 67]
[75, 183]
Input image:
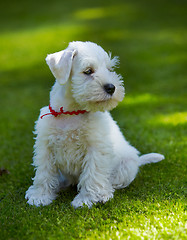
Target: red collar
[54, 113]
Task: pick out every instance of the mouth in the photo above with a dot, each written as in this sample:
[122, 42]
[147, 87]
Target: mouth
[103, 101]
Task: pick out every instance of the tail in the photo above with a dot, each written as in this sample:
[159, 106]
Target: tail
[150, 158]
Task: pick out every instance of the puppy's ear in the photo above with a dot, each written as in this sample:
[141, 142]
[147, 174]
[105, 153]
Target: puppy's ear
[60, 64]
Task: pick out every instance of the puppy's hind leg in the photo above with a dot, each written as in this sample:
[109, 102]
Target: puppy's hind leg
[124, 172]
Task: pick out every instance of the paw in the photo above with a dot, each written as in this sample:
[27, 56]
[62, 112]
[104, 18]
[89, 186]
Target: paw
[80, 200]
[38, 197]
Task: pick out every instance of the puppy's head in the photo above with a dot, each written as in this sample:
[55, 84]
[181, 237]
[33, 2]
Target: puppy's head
[94, 84]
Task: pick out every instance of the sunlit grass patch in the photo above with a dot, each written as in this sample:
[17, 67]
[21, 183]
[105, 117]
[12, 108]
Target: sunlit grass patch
[29, 47]
[91, 13]
[141, 99]
[105, 11]
[174, 119]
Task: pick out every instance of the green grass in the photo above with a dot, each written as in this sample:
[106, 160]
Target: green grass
[150, 38]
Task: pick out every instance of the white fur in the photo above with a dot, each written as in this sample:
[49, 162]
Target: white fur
[87, 149]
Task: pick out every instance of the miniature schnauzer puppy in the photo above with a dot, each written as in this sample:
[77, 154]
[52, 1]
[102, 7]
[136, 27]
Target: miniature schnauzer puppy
[77, 141]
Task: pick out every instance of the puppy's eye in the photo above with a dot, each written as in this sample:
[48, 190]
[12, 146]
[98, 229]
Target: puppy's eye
[88, 71]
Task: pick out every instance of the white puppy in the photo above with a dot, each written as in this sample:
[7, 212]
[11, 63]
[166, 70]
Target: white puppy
[77, 140]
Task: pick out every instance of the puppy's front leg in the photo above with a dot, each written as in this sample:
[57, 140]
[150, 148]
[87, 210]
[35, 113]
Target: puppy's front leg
[46, 180]
[94, 183]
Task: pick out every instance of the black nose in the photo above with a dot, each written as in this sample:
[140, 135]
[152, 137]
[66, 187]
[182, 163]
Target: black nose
[109, 88]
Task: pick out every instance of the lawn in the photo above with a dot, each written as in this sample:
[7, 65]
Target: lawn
[150, 37]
